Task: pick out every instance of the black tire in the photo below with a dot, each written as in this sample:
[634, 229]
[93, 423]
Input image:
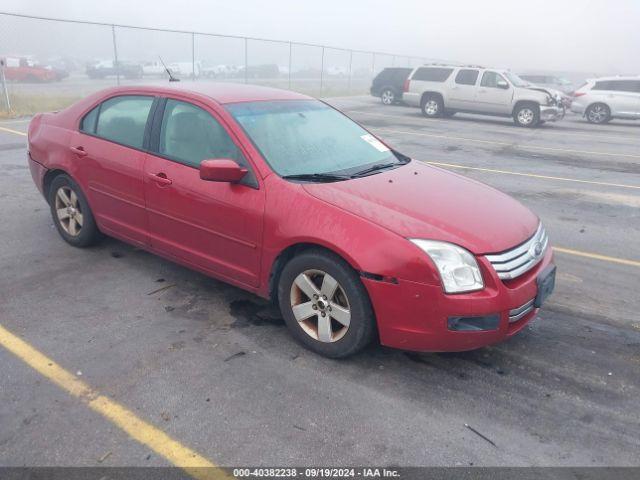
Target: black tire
[88, 233]
[388, 96]
[361, 328]
[527, 115]
[598, 113]
[432, 106]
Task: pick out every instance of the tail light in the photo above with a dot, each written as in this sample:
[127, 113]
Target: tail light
[578, 94]
[405, 86]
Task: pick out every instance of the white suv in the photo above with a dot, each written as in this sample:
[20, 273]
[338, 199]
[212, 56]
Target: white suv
[442, 90]
[602, 99]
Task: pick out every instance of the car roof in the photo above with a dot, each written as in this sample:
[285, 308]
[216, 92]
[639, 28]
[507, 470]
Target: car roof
[616, 77]
[220, 92]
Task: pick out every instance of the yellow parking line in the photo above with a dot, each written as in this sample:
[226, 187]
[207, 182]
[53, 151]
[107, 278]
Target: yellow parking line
[597, 256]
[509, 144]
[192, 462]
[15, 132]
[532, 175]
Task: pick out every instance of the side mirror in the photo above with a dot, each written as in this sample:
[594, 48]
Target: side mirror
[503, 84]
[221, 170]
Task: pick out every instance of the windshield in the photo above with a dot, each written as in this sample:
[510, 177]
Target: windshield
[515, 80]
[304, 137]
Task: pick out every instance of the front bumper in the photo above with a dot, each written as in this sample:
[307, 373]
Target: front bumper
[551, 113]
[414, 316]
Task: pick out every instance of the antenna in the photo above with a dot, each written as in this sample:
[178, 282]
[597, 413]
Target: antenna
[171, 77]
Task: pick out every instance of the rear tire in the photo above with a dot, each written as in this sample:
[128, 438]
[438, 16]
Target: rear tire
[71, 213]
[432, 106]
[527, 115]
[598, 113]
[388, 96]
[325, 305]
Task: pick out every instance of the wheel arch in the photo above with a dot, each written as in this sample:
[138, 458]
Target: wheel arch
[430, 92]
[293, 250]
[48, 180]
[521, 103]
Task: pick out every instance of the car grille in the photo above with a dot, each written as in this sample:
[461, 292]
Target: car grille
[517, 313]
[513, 263]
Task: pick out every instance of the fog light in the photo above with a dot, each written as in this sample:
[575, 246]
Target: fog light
[474, 324]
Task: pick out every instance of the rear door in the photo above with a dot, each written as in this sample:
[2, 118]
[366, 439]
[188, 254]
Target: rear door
[463, 90]
[491, 97]
[213, 226]
[624, 98]
[110, 146]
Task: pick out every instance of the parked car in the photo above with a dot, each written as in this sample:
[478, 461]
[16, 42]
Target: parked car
[25, 69]
[442, 90]
[549, 81]
[185, 69]
[602, 99]
[286, 197]
[110, 68]
[387, 85]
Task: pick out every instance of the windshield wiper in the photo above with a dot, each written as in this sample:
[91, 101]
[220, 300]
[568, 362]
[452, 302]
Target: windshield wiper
[317, 177]
[375, 168]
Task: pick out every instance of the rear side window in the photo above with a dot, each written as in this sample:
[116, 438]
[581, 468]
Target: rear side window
[123, 119]
[619, 85]
[431, 74]
[467, 77]
[88, 123]
[190, 135]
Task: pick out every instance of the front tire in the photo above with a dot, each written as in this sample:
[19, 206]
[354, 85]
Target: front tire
[432, 106]
[325, 305]
[598, 113]
[71, 213]
[527, 115]
[388, 96]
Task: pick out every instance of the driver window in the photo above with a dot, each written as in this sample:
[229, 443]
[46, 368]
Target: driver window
[491, 79]
[190, 135]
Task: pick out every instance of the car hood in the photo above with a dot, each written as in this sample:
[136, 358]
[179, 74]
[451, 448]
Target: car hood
[422, 201]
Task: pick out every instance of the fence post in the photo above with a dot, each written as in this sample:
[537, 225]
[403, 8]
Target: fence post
[373, 64]
[289, 71]
[321, 71]
[246, 61]
[4, 86]
[115, 54]
[350, 69]
[193, 56]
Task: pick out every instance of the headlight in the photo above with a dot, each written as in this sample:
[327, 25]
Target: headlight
[458, 268]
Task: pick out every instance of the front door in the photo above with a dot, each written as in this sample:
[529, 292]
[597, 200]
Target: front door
[492, 95]
[214, 226]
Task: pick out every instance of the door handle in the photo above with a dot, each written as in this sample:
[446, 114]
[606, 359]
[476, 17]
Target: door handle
[79, 151]
[160, 178]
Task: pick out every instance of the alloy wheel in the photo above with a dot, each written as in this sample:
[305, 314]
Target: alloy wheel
[431, 107]
[388, 97]
[598, 113]
[525, 116]
[68, 211]
[320, 306]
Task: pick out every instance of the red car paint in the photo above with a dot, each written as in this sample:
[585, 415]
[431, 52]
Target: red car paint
[237, 234]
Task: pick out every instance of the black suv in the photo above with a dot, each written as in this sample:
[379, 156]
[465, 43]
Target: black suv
[388, 84]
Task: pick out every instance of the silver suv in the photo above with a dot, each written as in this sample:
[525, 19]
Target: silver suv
[443, 90]
[602, 99]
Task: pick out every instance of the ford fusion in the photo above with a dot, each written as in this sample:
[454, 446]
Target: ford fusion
[286, 197]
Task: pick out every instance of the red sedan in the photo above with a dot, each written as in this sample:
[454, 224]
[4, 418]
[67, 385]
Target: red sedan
[284, 196]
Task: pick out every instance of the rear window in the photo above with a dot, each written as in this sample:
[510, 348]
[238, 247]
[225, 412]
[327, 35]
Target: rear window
[432, 74]
[467, 77]
[123, 119]
[390, 74]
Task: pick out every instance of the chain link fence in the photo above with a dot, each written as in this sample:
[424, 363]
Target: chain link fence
[49, 63]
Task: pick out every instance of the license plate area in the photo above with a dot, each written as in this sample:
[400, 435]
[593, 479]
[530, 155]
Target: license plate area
[546, 283]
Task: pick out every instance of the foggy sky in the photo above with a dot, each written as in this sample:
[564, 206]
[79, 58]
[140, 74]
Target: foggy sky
[565, 35]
